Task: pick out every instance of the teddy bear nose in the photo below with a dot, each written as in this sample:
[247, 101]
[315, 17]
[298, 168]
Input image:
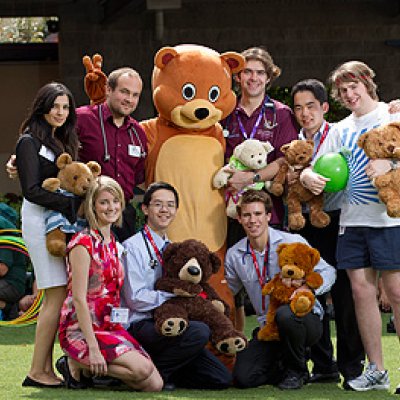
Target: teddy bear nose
[390, 148]
[194, 270]
[201, 113]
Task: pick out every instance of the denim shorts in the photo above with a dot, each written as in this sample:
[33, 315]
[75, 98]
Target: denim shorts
[364, 247]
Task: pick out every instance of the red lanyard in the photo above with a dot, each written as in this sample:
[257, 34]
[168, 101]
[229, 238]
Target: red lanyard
[262, 278]
[323, 137]
[153, 244]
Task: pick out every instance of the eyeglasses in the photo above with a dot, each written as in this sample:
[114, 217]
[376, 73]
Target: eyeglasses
[170, 205]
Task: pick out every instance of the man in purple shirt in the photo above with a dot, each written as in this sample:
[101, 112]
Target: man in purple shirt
[110, 136]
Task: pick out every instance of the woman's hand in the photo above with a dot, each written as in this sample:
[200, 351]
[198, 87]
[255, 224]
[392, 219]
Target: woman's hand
[11, 167]
[98, 365]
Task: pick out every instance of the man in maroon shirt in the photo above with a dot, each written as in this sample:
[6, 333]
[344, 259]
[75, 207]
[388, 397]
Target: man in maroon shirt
[110, 136]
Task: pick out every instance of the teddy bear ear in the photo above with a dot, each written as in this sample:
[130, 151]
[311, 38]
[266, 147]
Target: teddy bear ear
[315, 256]
[169, 252]
[362, 139]
[164, 56]
[395, 125]
[268, 147]
[285, 148]
[281, 247]
[310, 142]
[63, 160]
[215, 262]
[234, 60]
[238, 150]
[95, 168]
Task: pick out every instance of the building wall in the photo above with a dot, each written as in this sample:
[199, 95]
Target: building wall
[307, 38]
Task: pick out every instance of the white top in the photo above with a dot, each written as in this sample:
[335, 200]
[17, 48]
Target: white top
[361, 205]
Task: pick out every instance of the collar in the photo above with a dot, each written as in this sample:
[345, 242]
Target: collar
[159, 240]
[240, 110]
[274, 238]
[107, 116]
[317, 135]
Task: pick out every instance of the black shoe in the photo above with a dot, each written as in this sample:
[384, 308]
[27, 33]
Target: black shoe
[397, 391]
[70, 382]
[292, 380]
[169, 387]
[318, 377]
[32, 383]
[106, 381]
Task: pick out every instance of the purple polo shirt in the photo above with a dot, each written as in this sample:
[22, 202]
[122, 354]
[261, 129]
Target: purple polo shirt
[284, 131]
[126, 164]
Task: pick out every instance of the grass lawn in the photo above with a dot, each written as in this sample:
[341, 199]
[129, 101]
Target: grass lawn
[16, 345]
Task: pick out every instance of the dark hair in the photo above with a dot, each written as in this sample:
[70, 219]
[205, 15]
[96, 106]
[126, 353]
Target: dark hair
[158, 186]
[65, 137]
[314, 86]
[112, 79]
[262, 55]
[254, 196]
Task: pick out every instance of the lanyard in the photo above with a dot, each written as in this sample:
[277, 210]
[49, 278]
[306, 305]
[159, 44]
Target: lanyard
[153, 245]
[323, 137]
[255, 126]
[264, 276]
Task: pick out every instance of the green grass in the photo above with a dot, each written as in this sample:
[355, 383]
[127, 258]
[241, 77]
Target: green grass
[16, 346]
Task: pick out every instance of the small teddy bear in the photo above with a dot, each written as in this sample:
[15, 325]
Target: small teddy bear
[188, 265]
[250, 155]
[73, 178]
[384, 142]
[298, 156]
[296, 261]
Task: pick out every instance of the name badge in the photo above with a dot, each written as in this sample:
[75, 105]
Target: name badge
[134, 151]
[119, 315]
[342, 230]
[46, 153]
[225, 132]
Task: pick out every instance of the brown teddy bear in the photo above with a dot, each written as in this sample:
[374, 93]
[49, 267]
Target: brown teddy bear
[250, 155]
[73, 178]
[384, 142]
[298, 156]
[296, 261]
[188, 265]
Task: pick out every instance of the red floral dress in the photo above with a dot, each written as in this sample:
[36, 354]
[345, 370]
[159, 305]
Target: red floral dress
[103, 293]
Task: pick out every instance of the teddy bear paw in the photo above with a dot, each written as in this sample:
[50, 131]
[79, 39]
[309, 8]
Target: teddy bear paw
[296, 221]
[57, 248]
[231, 345]
[173, 327]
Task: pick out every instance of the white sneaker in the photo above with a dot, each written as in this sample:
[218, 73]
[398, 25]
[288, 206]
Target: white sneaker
[371, 379]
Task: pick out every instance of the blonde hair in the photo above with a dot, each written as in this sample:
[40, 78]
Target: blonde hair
[100, 184]
[353, 71]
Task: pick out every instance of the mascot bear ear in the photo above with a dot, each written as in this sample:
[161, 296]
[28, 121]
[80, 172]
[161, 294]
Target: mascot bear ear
[164, 56]
[234, 60]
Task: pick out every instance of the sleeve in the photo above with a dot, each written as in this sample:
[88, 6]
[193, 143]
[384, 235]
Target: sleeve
[28, 164]
[233, 280]
[138, 292]
[6, 257]
[81, 239]
[139, 168]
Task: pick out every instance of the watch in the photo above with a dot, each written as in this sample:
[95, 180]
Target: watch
[394, 164]
[256, 178]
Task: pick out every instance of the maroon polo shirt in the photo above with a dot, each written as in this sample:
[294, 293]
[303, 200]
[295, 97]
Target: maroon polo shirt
[124, 166]
[285, 131]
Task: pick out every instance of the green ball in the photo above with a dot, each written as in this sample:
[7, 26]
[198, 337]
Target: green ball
[333, 166]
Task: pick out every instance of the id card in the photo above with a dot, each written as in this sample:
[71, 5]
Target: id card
[134, 151]
[46, 153]
[119, 315]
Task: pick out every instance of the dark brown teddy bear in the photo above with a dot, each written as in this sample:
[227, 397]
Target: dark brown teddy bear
[188, 266]
[298, 156]
[297, 262]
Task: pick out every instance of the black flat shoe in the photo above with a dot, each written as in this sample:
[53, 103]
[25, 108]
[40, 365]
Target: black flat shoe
[70, 382]
[32, 383]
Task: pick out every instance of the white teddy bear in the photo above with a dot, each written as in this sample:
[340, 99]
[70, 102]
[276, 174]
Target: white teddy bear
[250, 155]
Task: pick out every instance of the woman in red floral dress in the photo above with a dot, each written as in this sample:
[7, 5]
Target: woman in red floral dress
[91, 334]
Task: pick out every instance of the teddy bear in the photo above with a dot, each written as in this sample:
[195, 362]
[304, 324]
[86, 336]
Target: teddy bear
[192, 92]
[384, 142]
[188, 265]
[296, 262]
[250, 155]
[73, 178]
[298, 155]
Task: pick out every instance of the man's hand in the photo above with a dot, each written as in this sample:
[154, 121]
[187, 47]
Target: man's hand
[95, 81]
[394, 106]
[314, 182]
[11, 167]
[377, 167]
[292, 177]
[239, 179]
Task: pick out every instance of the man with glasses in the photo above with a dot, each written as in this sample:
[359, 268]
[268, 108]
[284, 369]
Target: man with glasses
[181, 360]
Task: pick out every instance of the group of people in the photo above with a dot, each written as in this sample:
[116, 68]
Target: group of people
[95, 303]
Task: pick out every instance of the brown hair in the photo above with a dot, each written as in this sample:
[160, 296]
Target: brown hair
[262, 55]
[254, 196]
[353, 71]
[112, 79]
